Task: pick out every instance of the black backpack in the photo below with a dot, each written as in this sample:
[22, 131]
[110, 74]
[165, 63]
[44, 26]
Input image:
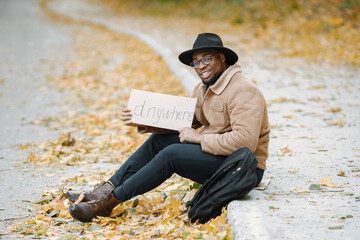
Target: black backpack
[235, 178]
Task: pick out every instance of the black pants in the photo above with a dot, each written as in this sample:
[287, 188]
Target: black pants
[158, 159]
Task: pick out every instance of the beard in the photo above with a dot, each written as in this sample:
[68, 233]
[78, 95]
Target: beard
[212, 80]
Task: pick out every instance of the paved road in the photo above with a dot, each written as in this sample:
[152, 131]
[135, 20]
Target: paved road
[30, 48]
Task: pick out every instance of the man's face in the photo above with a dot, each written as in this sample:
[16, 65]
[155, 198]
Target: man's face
[209, 73]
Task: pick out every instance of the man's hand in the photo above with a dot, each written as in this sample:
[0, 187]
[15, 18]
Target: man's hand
[189, 135]
[126, 116]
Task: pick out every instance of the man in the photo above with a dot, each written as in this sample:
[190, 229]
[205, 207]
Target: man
[232, 113]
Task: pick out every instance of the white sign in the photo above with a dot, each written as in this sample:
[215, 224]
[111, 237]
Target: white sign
[161, 110]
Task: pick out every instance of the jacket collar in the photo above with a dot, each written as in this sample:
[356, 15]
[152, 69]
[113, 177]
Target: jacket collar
[224, 79]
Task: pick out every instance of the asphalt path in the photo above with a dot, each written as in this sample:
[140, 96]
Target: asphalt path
[31, 47]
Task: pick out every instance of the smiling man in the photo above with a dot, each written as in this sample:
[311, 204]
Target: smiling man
[231, 112]
[209, 65]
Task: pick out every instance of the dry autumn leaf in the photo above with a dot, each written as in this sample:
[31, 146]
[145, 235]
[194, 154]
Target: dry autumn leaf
[334, 110]
[289, 116]
[339, 122]
[32, 157]
[285, 151]
[327, 182]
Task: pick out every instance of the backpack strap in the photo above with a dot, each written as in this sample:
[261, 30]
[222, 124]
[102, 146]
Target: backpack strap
[187, 208]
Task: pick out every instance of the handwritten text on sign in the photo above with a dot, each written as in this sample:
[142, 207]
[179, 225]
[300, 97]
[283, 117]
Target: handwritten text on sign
[161, 110]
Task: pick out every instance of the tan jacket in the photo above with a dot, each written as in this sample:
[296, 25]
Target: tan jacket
[233, 115]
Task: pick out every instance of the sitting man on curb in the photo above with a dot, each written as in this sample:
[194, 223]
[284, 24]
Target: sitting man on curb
[232, 113]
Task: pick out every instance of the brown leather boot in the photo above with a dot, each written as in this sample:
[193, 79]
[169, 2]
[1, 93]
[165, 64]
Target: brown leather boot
[86, 211]
[102, 189]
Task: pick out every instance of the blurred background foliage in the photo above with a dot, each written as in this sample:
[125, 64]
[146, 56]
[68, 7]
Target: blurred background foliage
[254, 11]
[324, 30]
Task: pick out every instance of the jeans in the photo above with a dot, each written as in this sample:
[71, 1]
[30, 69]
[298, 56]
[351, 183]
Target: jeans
[158, 159]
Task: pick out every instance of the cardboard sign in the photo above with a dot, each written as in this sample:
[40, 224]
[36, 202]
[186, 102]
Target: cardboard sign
[161, 110]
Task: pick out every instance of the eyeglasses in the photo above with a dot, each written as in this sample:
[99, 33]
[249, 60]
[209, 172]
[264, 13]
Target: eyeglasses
[206, 60]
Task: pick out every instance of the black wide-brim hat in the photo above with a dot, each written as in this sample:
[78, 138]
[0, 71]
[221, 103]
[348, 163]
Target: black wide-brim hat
[209, 41]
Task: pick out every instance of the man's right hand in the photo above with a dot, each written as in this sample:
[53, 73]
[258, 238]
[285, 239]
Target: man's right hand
[126, 116]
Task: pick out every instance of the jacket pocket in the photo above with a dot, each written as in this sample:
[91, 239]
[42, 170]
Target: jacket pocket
[217, 114]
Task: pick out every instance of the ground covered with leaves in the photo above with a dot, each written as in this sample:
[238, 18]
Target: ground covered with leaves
[98, 80]
[317, 30]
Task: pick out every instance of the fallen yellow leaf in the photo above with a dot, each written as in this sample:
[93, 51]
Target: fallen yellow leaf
[285, 151]
[32, 157]
[327, 182]
[334, 21]
[339, 122]
[289, 116]
[334, 110]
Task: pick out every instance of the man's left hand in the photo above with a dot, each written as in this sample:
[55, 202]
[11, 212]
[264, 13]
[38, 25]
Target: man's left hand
[189, 135]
